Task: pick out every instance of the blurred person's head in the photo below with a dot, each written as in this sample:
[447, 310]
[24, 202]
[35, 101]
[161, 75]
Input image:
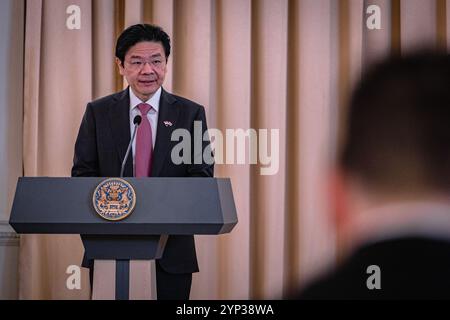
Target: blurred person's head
[142, 51]
[397, 138]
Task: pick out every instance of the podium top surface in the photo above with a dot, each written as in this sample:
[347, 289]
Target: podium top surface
[163, 206]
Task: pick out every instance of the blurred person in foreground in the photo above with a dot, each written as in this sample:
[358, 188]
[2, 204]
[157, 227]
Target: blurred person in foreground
[391, 187]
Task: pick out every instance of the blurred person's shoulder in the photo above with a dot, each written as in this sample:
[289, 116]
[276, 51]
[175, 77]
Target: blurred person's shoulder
[403, 268]
[344, 282]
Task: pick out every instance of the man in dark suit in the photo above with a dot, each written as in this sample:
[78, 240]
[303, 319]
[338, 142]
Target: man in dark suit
[105, 132]
[391, 188]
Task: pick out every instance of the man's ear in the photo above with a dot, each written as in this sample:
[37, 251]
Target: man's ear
[119, 64]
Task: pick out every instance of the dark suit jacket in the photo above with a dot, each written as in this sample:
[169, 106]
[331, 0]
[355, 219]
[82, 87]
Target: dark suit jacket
[101, 146]
[411, 268]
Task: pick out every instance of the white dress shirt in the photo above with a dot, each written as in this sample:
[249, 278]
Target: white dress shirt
[152, 116]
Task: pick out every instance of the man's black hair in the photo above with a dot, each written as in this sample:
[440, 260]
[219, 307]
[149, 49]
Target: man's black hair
[138, 33]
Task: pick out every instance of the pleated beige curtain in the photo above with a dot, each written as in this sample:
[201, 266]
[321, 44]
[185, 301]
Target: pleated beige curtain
[262, 64]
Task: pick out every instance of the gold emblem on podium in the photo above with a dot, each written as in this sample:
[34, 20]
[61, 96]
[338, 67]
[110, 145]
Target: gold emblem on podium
[114, 199]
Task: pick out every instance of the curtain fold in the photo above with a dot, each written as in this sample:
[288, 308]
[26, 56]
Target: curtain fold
[55, 95]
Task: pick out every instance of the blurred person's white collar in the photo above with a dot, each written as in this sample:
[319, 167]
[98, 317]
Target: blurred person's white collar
[429, 219]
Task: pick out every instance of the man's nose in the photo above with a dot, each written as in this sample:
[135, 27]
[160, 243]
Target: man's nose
[147, 68]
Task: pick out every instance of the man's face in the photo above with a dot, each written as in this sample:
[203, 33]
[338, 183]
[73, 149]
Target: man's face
[144, 68]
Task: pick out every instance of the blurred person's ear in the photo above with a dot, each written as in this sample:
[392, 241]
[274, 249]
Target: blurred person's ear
[341, 210]
[339, 199]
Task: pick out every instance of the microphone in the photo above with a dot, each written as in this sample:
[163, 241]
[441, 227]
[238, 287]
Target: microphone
[136, 121]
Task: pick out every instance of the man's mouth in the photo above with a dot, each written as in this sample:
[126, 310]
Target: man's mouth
[147, 82]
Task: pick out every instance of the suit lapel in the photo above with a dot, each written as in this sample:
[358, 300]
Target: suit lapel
[167, 112]
[119, 116]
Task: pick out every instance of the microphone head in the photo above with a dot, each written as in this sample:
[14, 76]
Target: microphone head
[137, 120]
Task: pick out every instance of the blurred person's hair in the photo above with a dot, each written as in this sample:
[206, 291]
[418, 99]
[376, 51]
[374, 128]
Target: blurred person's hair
[397, 136]
[138, 33]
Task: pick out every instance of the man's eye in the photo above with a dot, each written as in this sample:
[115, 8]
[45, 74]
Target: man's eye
[157, 61]
[136, 63]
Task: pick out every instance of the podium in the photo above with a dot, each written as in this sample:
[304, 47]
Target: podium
[163, 207]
